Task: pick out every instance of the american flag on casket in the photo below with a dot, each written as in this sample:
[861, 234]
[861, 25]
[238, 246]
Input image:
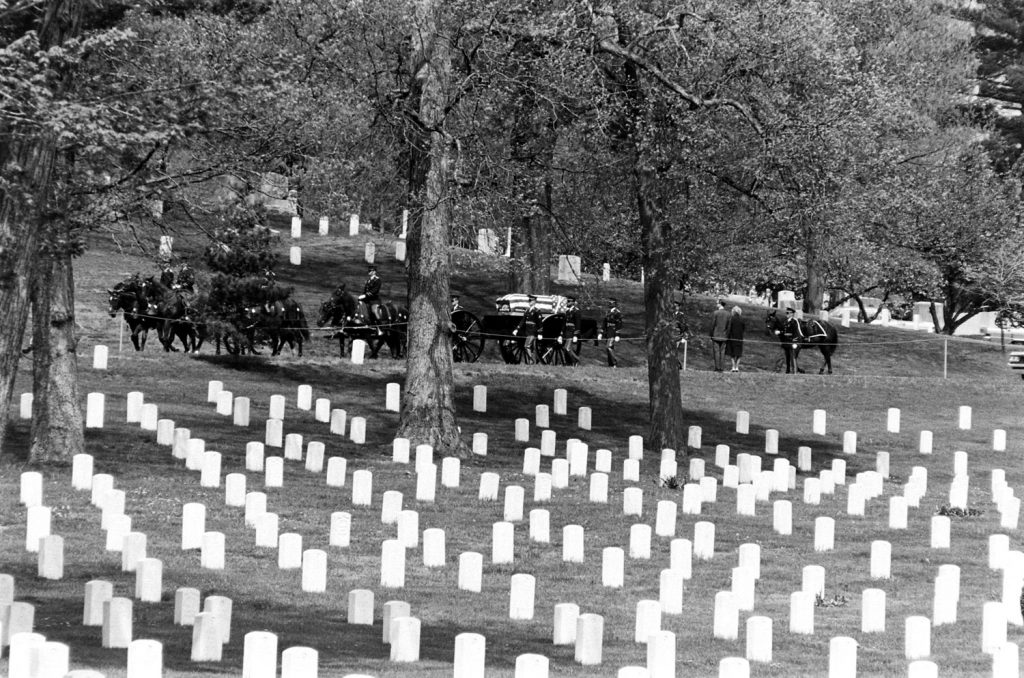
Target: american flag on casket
[518, 303]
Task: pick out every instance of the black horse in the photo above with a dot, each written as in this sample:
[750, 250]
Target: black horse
[129, 297]
[350, 316]
[172, 314]
[798, 334]
[282, 321]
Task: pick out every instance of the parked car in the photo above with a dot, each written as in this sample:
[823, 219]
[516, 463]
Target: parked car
[1016, 362]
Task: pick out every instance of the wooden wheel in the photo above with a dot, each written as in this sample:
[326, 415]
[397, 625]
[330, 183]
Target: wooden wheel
[514, 351]
[553, 352]
[467, 339]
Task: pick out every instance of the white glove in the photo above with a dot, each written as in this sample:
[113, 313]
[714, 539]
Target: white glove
[560, 340]
[515, 333]
[575, 339]
[600, 336]
[616, 340]
[362, 297]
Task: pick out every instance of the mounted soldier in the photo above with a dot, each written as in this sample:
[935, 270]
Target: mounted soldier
[371, 296]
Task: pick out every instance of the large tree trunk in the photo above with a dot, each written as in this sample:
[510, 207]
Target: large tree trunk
[428, 405]
[27, 159]
[57, 426]
[667, 428]
[533, 275]
[815, 291]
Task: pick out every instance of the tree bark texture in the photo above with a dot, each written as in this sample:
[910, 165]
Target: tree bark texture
[26, 161]
[815, 291]
[428, 405]
[57, 426]
[667, 428]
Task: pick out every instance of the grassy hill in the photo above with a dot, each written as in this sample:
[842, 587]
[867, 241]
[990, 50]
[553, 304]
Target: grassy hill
[876, 369]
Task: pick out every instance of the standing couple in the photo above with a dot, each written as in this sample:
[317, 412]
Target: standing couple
[727, 336]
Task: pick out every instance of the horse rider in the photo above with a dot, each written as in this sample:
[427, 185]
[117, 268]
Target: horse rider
[610, 332]
[185, 280]
[455, 305]
[371, 296]
[529, 324]
[572, 320]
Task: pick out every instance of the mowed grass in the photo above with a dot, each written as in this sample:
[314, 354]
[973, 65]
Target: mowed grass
[856, 398]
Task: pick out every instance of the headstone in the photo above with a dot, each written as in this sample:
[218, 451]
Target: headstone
[338, 422]
[362, 487]
[207, 645]
[211, 553]
[186, 605]
[471, 571]
[502, 543]
[451, 470]
[742, 422]
[255, 506]
[51, 557]
[149, 577]
[613, 566]
[259, 655]
[341, 529]
[273, 472]
[566, 616]
[370, 252]
[479, 398]
[267, 535]
[405, 639]
[299, 663]
[759, 639]
[25, 406]
[801, 613]
[522, 430]
[94, 410]
[132, 551]
[540, 526]
[589, 639]
[314, 571]
[569, 269]
[289, 551]
[573, 544]
[357, 430]
[872, 611]
[522, 589]
[487, 241]
[392, 572]
[470, 654]
[97, 592]
[100, 354]
[353, 225]
[725, 624]
[541, 418]
[648, 620]
[37, 526]
[117, 623]
[842, 657]
[704, 540]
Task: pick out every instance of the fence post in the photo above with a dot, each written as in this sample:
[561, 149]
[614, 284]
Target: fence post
[945, 357]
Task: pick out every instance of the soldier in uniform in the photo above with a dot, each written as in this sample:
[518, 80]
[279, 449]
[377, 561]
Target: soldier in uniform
[455, 305]
[529, 325]
[682, 328]
[572, 328]
[610, 331]
[371, 295]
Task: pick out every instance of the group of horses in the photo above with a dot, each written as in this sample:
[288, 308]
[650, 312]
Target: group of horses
[176, 315]
[149, 304]
[350, 318]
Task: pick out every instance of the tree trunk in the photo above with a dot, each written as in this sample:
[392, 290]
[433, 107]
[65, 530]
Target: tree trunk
[57, 426]
[428, 405]
[18, 238]
[666, 402]
[815, 290]
[33, 154]
[534, 274]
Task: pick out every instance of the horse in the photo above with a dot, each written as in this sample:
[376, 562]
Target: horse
[283, 321]
[333, 314]
[172, 314]
[351, 316]
[808, 334]
[129, 297]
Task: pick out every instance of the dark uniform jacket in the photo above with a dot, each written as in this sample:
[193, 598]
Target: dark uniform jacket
[612, 323]
[572, 321]
[371, 290]
[532, 316]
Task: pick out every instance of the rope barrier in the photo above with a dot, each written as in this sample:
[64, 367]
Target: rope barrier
[933, 338]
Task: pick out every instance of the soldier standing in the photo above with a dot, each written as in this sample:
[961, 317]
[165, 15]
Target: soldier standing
[610, 333]
[572, 328]
[530, 325]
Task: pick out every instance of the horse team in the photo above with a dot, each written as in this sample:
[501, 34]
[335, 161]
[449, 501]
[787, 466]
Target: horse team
[175, 314]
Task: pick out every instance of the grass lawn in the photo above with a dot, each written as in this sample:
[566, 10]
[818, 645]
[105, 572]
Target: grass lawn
[876, 369]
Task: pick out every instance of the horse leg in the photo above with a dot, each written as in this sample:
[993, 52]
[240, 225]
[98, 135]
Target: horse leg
[796, 361]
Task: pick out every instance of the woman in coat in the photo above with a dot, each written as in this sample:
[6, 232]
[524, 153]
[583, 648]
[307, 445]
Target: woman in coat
[734, 338]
